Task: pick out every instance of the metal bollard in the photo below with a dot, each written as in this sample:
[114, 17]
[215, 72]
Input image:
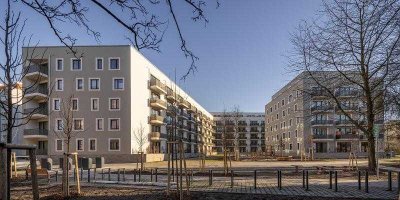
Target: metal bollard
[304, 177]
[123, 174]
[330, 179]
[102, 174]
[94, 174]
[255, 179]
[210, 180]
[140, 175]
[57, 176]
[151, 175]
[359, 180]
[231, 178]
[74, 175]
[118, 177]
[81, 174]
[336, 183]
[307, 180]
[366, 181]
[398, 182]
[389, 181]
[109, 174]
[134, 175]
[280, 179]
[156, 175]
[88, 175]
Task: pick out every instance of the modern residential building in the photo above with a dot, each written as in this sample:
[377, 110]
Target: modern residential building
[117, 93]
[302, 118]
[392, 136]
[248, 126]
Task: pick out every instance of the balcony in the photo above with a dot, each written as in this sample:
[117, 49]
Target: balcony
[36, 133]
[157, 86]
[321, 122]
[254, 124]
[157, 136]
[321, 108]
[37, 73]
[352, 107]
[347, 136]
[38, 93]
[346, 93]
[319, 92]
[242, 124]
[158, 104]
[322, 136]
[39, 113]
[156, 119]
[184, 104]
[171, 95]
[343, 122]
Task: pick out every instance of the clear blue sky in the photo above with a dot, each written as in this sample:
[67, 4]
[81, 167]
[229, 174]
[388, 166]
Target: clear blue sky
[242, 49]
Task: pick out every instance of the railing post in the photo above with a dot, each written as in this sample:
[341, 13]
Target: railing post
[280, 179]
[231, 178]
[94, 174]
[102, 174]
[140, 175]
[336, 183]
[134, 175]
[398, 182]
[56, 176]
[330, 179]
[359, 180]
[156, 175]
[118, 175]
[255, 179]
[151, 175]
[389, 181]
[277, 176]
[304, 176]
[366, 181]
[81, 174]
[88, 175]
[109, 174]
[210, 181]
[123, 174]
[307, 180]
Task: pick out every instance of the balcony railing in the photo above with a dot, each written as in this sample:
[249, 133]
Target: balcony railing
[321, 108]
[342, 122]
[346, 93]
[37, 68]
[43, 110]
[322, 136]
[319, 92]
[157, 85]
[36, 132]
[42, 89]
[347, 107]
[322, 122]
[156, 119]
[347, 136]
[158, 103]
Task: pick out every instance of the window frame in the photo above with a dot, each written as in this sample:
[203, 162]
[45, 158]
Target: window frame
[62, 64]
[73, 124]
[83, 144]
[102, 63]
[54, 105]
[56, 124]
[102, 126]
[72, 104]
[83, 84]
[109, 124]
[56, 145]
[109, 144]
[109, 103]
[72, 64]
[113, 83]
[95, 144]
[91, 104]
[62, 81]
[90, 84]
[109, 63]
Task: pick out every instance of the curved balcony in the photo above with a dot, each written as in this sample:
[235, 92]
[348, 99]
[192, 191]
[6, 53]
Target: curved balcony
[158, 86]
[343, 122]
[37, 73]
[322, 136]
[157, 136]
[321, 122]
[38, 93]
[184, 104]
[36, 133]
[156, 119]
[346, 93]
[321, 108]
[39, 113]
[158, 104]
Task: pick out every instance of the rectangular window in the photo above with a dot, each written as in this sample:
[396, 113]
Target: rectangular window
[94, 84]
[92, 144]
[118, 83]
[94, 104]
[79, 144]
[59, 125]
[59, 84]
[78, 124]
[99, 124]
[114, 144]
[59, 64]
[114, 104]
[99, 63]
[59, 145]
[113, 124]
[79, 84]
[75, 105]
[114, 64]
[76, 64]
[56, 104]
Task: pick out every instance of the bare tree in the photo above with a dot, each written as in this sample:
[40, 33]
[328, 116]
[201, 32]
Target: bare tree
[66, 130]
[236, 118]
[226, 125]
[140, 18]
[357, 42]
[141, 139]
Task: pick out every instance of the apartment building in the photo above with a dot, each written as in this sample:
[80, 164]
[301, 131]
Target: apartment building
[117, 94]
[248, 126]
[302, 118]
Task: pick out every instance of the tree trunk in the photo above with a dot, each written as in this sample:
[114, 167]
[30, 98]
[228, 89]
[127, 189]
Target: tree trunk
[371, 153]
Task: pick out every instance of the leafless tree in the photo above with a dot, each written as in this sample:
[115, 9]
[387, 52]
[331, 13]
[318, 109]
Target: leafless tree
[141, 139]
[236, 118]
[139, 17]
[66, 131]
[226, 127]
[357, 42]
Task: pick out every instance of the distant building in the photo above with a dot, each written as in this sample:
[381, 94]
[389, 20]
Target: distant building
[301, 118]
[250, 129]
[392, 136]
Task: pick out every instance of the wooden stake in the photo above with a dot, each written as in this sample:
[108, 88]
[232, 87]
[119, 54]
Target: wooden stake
[35, 188]
[3, 173]
[78, 184]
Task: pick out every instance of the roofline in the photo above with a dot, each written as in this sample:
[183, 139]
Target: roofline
[61, 46]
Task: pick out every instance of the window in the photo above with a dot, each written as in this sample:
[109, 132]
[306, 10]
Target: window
[78, 124]
[295, 107]
[59, 64]
[118, 84]
[76, 64]
[296, 133]
[59, 145]
[298, 146]
[75, 105]
[94, 84]
[92, 144]
[290, 98]
[114, 64]
[56, 104]
[113, 124]
[113, 144]
[79, 84]
[99, 63]
[283, 113]
[321, 147]
[59, 125]
[79, 144]
[99, 124]
[94, 104]
[290, 146]
[59, 84]
[283, 102]
[114, 103]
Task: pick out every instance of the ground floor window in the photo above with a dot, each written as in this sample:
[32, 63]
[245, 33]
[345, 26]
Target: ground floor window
[321, 147]
[242, 149]
[343, 147]
[364, 146]
[114, 144]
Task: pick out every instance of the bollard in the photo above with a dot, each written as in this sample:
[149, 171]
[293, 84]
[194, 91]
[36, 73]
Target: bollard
[359, 180]
[140, 175]
[330, 179]
[255, 179]
[57, 176]
[118, 177]
[134, 175]
[88, 175]
[210, 176]
[94, 174]
[389, 181]
[156, 175]
[280, 179]
[102, 174]
[81, 174]
[74, 175]
[151, 175]
[336, 183]
[398, 182]
[123, 174]
[231, 178]
[366, 181]
[307, 180]
[109, 174]
[304, 176]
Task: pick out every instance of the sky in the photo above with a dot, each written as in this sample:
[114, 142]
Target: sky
[242, 50]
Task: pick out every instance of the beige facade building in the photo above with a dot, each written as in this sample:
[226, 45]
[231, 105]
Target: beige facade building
[302, 118]
[116, 91]
[249, 127]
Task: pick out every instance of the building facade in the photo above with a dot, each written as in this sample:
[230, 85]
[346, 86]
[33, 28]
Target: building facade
[302, 118]
[249, 128]
[117, 96]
